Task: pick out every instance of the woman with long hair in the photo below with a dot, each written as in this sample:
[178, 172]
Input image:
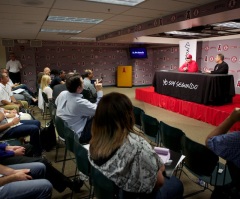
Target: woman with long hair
[44, 87]
[45, 82]
[126, 158]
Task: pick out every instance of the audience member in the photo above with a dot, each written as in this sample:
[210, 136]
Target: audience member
[14, 66]
[23, 128]
[46, 71]
[24, 90]
[227, 145]
[76, 111]
[62, 75]
[44, 87]
[221, 67]
[56, 78]
[125, 157]
[59, 88]
[7, 100]
[19, 154]
[17, 85]
[190, 65]
[24, 181]
[46, 80]
[88, 85]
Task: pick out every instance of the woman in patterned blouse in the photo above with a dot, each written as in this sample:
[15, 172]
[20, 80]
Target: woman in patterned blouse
[125, 157]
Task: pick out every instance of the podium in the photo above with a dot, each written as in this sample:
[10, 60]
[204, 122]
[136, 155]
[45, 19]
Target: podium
[124, 76]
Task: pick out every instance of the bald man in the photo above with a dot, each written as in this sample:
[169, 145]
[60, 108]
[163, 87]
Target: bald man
[46, 71]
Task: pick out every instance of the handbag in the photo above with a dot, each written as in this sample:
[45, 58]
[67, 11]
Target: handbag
[48, 136]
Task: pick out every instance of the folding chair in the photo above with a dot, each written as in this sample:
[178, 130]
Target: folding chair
[204, 164]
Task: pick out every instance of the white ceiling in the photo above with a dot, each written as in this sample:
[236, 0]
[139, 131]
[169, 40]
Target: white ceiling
[23, 19]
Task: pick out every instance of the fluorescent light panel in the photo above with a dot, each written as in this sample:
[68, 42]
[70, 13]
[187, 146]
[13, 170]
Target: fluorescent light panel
[228, 25]
[74, 19]
[120, 2]
[83, 38]
[60, 31]
[183, 33]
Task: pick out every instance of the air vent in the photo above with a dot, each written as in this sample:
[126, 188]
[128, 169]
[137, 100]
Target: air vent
[8, 42]
[36, 43]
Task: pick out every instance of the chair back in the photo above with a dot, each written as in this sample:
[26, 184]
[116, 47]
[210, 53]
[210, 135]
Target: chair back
[53, 110]
[150, 126]
[106, 188]
[81, 156]
[199, 159]
[69, 138]
[103, 187]
[87, 94]
[60, 126]
[45, 97]
[171, 137]
[137, 115]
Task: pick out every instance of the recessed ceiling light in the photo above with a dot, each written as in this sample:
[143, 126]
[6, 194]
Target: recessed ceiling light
[83, 38]
[120, 2]
[228, 24]
[74, 19]
[61, 31]
[182, 33]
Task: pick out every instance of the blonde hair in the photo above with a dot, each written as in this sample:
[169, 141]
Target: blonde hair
[45, 81]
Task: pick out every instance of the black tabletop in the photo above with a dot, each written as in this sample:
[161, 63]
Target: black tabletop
[201, 88]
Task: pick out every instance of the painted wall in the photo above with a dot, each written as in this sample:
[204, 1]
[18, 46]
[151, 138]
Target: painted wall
[104, 58]
[2, 57]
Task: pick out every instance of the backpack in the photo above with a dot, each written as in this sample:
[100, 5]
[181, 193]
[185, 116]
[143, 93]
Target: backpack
[48, 136]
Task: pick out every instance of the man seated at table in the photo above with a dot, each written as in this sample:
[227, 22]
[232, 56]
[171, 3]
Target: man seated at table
[221, 66]
[189, 66]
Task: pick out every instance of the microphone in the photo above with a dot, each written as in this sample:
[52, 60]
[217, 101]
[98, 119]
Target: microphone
[186, 67]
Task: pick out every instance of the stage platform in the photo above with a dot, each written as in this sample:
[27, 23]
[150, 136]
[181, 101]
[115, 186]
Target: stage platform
[210, 114]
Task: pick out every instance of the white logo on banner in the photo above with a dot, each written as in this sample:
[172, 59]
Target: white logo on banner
[178, 84]
[187, 47]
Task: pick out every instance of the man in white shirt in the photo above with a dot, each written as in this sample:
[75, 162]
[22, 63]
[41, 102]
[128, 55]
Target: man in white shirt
[14, 66]
[7, 100]
[22, 92]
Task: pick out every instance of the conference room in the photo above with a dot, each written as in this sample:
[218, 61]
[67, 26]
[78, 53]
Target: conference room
[136, 48]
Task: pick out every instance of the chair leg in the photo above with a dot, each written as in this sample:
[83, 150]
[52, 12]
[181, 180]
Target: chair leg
[56, 155]
[64, 160]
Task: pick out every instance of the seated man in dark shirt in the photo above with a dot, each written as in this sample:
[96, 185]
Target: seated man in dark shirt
[221, 67]
[59, 88]
[57, 78]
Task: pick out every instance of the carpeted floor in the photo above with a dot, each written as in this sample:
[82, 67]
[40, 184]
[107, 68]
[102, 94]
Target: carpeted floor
[194, 129]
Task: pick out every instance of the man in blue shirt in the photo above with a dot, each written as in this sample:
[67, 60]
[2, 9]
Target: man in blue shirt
[227, 145]
[76, 111]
